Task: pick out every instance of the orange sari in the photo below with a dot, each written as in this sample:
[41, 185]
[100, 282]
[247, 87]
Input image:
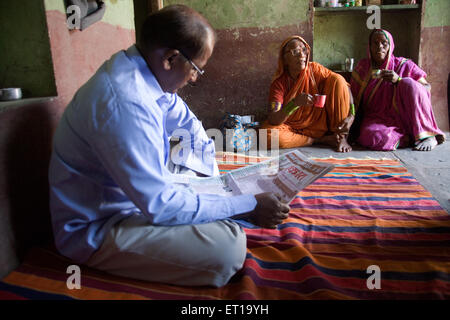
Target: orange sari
[308, 122]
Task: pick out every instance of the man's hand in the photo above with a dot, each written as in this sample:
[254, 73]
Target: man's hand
[269, 211]
[304, 99]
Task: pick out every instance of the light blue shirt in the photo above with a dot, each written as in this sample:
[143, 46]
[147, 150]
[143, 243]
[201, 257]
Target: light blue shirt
[110, 155]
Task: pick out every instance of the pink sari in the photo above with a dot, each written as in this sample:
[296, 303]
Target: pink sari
[392, 114]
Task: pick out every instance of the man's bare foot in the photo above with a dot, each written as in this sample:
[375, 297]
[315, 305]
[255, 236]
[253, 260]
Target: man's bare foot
[427, 144]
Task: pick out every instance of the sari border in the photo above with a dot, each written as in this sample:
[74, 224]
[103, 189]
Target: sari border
[428, 134]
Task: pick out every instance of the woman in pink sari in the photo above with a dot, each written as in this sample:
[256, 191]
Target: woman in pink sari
[392, 99]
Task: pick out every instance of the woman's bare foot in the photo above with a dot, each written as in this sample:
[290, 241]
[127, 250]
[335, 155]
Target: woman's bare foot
[336, 140]
[343, 145]
[427, 144]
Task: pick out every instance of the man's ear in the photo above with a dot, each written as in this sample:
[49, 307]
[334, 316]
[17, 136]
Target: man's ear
[168, 58]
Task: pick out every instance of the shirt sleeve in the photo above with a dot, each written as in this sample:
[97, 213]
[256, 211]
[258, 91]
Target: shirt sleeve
[196, 149]
[130, 146]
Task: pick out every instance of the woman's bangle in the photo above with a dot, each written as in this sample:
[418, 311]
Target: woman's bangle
[275, 106]
[399, 79]
[290, 108]
[352, 109]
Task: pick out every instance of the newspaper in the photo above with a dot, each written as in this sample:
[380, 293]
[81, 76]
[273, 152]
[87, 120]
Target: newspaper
[285, 176]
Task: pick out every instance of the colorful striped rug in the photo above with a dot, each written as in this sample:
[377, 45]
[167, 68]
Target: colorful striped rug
[366, 230]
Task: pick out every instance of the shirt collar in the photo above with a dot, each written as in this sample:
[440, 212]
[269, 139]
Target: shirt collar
[162, 97]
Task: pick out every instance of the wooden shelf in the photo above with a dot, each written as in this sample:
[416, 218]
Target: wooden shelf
[319, 11]
[12, 104]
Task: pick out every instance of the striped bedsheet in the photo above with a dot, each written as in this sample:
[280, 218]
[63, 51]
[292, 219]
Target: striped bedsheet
[366, 218]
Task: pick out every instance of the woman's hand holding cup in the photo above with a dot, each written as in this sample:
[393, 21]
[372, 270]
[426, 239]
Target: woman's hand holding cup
[304, 99]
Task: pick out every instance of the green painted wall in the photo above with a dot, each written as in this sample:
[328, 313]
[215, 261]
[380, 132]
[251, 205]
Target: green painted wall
[25, 58]
[437, 13]
[55, 5]
[118, 12]
[224, 14]
[337, 36]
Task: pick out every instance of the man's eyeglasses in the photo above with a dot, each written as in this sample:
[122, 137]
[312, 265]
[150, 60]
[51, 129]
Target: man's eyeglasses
[199, 71]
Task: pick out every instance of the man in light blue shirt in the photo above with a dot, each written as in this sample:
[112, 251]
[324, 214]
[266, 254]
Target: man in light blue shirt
[113, 205]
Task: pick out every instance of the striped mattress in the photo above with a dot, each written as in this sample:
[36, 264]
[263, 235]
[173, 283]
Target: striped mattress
[366, 230]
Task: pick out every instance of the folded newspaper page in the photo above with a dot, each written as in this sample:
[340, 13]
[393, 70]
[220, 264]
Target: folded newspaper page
[285, 176]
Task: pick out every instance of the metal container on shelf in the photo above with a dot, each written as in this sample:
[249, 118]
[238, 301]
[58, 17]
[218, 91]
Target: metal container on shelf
[320, 3]
[374, 2]
[7, 94]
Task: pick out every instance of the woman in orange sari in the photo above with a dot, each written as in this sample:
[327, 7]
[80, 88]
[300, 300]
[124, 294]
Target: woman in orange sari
[292, 111]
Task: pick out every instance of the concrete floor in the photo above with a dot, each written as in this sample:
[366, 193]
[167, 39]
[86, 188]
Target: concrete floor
[431, 169]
